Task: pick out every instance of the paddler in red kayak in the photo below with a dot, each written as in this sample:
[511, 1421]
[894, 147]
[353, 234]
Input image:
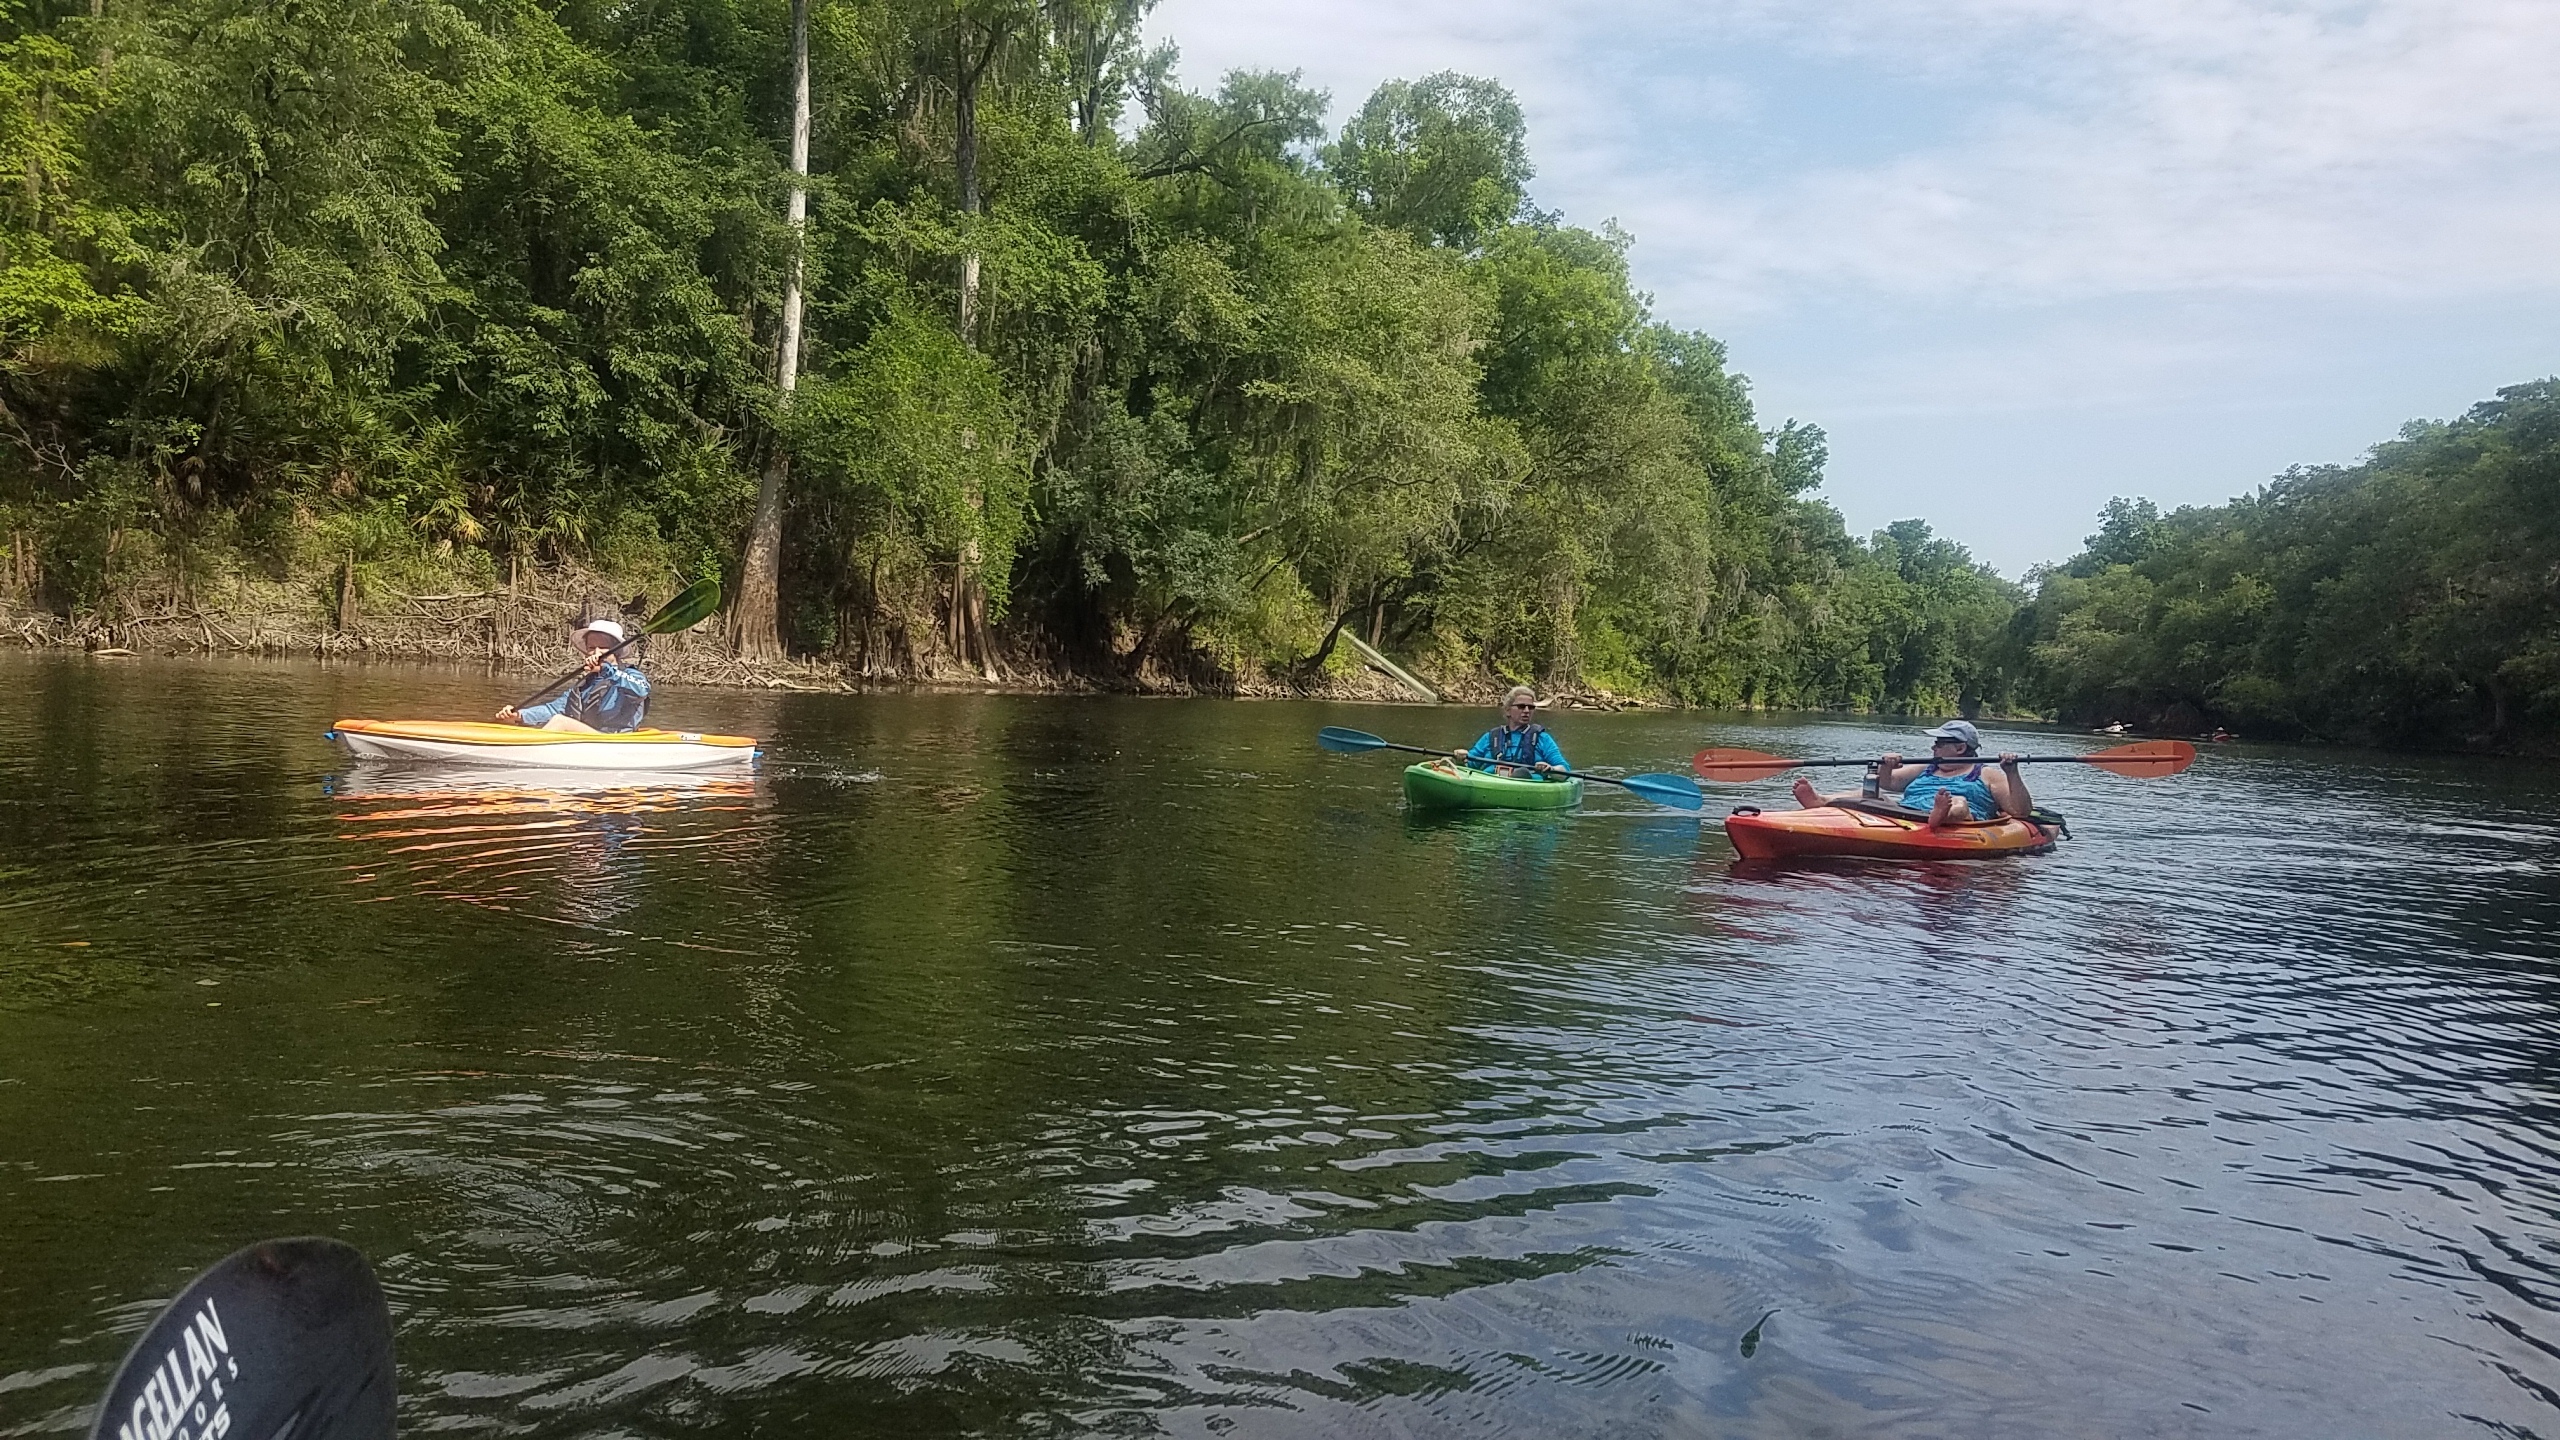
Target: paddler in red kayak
[611, 697]
[1951, 785]
[1519, 744]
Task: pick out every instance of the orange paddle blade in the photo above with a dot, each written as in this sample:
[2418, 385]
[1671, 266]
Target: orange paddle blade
[2145, 759]
[1740, 764]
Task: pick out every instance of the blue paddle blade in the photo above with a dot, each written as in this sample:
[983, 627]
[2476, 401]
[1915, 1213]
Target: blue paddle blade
[1349, 742]
[1677, 791]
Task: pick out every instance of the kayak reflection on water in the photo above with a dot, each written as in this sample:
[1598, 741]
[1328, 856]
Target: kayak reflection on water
[1518, 745]
[562, 842]
[612, 697]
[1951, 785]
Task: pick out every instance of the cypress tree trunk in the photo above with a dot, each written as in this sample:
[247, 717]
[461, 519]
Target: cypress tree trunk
[964, 161]
[967, 627]
[755, 620]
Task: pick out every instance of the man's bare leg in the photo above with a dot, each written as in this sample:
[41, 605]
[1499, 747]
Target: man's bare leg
[563, 722]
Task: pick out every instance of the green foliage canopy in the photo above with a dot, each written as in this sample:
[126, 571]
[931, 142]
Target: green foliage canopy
[2406, 600]
[290, 286]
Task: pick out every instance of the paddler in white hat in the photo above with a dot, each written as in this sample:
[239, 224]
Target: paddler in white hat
[611, 697]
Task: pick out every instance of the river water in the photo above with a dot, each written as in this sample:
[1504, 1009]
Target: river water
[1025, 1066]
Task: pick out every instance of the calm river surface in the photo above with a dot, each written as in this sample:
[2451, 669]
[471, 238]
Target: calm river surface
[1016, 1066]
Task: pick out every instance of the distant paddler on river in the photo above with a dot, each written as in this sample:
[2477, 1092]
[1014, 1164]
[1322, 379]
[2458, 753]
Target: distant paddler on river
[595, 728]
[1518, 745]
[609, 698]
[1514, 766]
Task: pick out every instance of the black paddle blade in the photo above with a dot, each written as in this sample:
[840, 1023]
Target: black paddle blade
[692, 605]
[1349, 742]
[287, 1337]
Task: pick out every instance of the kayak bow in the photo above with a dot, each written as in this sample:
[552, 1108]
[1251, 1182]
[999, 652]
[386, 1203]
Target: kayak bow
[471, 742]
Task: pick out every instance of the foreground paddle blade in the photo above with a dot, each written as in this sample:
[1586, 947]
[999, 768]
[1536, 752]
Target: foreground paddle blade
[287, 1337]
[1740, 764]
[1677, 791]
[692, 605]
[2146, 759]
[1349, 742]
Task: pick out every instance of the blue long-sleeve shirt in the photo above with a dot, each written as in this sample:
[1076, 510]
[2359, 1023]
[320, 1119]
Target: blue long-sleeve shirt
[614, 699]
[1508, 745]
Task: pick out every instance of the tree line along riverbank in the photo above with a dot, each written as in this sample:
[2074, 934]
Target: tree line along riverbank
[968, 341]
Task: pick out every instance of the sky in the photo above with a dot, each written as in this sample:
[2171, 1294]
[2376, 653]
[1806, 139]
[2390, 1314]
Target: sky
[2019, 256]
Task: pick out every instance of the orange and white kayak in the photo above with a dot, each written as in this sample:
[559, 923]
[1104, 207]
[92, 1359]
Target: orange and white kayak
[480, 742]
[1880, 832]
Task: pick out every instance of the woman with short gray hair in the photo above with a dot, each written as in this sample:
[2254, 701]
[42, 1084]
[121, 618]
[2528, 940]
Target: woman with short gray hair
[1519, 743]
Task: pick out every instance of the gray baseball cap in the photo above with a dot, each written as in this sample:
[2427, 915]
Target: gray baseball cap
[1959, 730]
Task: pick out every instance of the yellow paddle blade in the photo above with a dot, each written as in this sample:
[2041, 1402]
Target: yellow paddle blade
[1739, 764]
[2145, 759]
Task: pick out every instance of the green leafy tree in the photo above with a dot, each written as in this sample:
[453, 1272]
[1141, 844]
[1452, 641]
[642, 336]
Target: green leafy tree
[1091, 364]
[2405, 600]
[1444, 159]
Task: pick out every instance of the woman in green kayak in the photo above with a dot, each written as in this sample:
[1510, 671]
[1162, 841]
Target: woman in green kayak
[1951, 784]
[1519, 744]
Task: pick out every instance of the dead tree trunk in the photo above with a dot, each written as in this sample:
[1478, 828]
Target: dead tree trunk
[971, 644]
[969, 70]
[755, 619]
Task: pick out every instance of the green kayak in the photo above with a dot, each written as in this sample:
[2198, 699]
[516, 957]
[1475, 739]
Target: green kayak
[1440, 785]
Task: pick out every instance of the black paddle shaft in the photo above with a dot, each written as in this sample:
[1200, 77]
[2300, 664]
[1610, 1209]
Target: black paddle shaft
[285, 1338]
[1930, 760]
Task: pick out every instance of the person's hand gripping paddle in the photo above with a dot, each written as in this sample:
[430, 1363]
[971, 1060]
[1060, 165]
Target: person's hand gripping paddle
[288, 1338]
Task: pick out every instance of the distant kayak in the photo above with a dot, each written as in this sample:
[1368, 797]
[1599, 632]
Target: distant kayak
[1441, 785]
[1878, 833]
[474, 742]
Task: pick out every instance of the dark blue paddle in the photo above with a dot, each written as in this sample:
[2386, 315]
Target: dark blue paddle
[1677, 791]
[285, 1338]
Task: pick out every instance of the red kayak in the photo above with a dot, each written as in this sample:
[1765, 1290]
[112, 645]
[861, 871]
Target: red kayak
[1878, 832]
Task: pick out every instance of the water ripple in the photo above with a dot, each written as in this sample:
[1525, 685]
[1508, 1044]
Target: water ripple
[1023, 1067]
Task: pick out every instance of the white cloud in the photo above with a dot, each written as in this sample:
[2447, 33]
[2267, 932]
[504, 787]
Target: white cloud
[2259, 230]
[2079, 149]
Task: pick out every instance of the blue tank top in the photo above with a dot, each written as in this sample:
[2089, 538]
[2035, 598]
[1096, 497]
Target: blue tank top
[1922, 793]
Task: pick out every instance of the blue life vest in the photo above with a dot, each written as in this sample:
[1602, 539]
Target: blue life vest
[1514, 747]
[1524, 746]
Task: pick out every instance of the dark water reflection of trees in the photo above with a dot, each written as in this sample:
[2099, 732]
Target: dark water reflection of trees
[1048, 1066]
